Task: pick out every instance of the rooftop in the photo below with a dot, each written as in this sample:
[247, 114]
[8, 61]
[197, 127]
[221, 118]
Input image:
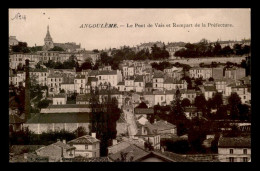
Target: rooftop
[238, 142]
[59, 118]
[86, 139]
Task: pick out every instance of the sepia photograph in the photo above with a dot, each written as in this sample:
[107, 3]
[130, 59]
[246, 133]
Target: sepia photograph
[129, 85]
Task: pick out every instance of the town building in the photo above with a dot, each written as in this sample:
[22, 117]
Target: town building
[234, 149]
[87, 146]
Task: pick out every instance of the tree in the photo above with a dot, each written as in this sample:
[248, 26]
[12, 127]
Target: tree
[177, 115]
[185, 102]
[211, 79]
[104, 116]
[238, 49]
[86, 65]
[217, 49]
[62, 91]
[218, 100]
[21, 47]
[142, 105]
[56, 48]
[200, 103]
[80, 131]
[234, 101]
[43, 104]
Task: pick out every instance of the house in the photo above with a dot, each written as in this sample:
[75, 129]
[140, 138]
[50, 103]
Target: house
[121, 86]
[164, 127]
[218, 73]
[40, 75]
[158, 80]
[242, 92]
[149, 97]
[59, 99]
[83, 98]
[134, 153]
[209, 91]
[86, 145]
[56, 151]
[113, 77]
[149, 133]
[197, 72]
[129, 83]
[192, 112]
[54, 82]
[235, 73]
[189, 94]
[234, 149]
[139, 83]
[221, 84]
[80, 84]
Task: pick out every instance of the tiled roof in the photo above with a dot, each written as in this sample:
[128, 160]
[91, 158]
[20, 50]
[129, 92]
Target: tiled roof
[163, 125]
[86, 139]
[63, 145]
[132, 150]
[85, 159]
[175, 157]
[60, 118]
[235, 142]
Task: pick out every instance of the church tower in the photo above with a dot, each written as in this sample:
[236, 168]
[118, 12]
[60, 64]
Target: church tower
[48, 43]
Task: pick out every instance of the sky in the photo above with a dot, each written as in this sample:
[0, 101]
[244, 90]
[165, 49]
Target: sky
[64, 25]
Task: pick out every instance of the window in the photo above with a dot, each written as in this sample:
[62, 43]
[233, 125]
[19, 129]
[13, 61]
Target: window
[245, 159]
[161, 97]
[231, 151]
[245, 151]
[231, 159]
[86, 147]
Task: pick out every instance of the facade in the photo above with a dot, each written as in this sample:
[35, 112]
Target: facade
[54, 82]
[235, 73]
[197, 72]
[40, 75]
[87, 146]
[56, 151]
[234, 149]
[59, 99]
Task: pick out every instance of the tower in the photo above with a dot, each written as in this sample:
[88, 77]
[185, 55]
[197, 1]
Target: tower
[48, 43]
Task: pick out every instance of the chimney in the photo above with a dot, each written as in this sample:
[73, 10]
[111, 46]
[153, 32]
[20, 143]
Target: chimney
[27, 90]
[114, 142]
[166, 122]
[154, 120]
[64, 141]
[93, 134]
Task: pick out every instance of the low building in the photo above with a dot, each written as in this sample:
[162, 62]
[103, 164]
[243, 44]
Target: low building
[59, 99]
[87, 146]
[234, 149]
[56, 151]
